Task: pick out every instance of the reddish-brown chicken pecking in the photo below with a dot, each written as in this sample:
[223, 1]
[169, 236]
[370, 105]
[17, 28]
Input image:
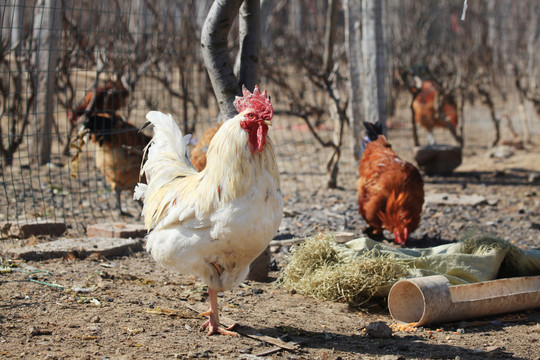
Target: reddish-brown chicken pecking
[390, 190]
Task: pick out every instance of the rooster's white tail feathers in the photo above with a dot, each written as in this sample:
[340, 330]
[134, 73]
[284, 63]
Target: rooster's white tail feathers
[167, 154]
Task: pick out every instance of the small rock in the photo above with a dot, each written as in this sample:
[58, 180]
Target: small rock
[36, 228]
[93, 329]
[501, 152]
[82, 248]
[95, 319]
[116, 230]
[247, 350]
[34, 331]
[492, 202]
[378, 329]
[343, 236]
[454, 199]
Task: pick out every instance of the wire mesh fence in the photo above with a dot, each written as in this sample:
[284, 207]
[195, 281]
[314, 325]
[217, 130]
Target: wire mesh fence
[60, 59]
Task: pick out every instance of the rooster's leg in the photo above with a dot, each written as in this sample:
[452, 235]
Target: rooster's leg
[431, 138]
[213, 322]
[119, 203]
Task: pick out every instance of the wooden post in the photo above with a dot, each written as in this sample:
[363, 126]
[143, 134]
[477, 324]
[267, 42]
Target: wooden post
[353, 15]
[373, 62]
[46, 34]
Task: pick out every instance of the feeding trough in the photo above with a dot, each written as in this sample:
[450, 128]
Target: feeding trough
[431, 299]
[438, 159]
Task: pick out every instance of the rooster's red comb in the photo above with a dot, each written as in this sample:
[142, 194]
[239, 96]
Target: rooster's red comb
[256, 101]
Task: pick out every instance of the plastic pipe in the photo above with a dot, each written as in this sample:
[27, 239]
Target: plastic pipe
[431, 299]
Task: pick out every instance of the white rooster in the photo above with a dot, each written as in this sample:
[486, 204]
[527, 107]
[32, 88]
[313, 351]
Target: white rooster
[213, 223]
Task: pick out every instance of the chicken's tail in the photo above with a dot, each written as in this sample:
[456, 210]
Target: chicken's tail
[167, 154]
[373, 130]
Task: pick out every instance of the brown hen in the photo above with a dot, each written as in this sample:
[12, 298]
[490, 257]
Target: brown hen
[119, 151]
[198, 154]
[390, 190]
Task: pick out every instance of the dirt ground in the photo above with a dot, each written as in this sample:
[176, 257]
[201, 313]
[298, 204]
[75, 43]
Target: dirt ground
[130, 308]
[127, 308]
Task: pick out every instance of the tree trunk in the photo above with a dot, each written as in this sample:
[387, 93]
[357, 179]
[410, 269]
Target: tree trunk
[328, 58]
[532, 31]
[46, 34]
[373, 63]
[216, 54]
[294, 8]
[203, 8]
[250, 34]
[492, 37]
[330, 36]
[353, 14]
[266, 11]
[531, 66]
[17, 24]
[138, 21]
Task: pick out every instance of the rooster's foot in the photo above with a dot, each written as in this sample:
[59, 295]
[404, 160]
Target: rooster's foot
[217, 329]
[124, 214]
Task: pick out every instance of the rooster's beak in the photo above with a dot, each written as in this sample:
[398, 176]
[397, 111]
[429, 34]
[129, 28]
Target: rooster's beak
[268, 122]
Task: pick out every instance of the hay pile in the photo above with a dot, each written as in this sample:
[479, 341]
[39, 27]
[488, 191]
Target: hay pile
[318, 267]
[515, 263]
[363, 269]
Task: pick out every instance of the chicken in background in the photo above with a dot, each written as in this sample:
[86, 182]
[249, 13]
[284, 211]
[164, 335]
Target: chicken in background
[433, 109]
[119, 151]
[198, 154]
[390, 190]
[213, 223]
[108, 99]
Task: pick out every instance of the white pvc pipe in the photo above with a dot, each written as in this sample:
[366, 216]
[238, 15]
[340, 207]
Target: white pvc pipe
[431, 299]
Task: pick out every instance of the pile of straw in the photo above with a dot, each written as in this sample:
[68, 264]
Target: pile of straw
[362, 269]
[319, 268]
